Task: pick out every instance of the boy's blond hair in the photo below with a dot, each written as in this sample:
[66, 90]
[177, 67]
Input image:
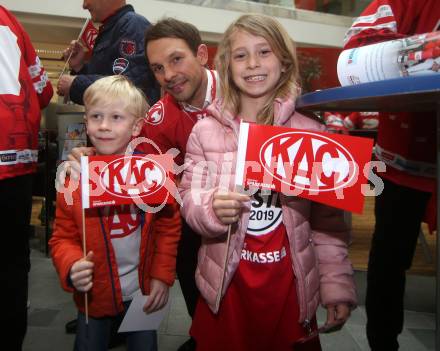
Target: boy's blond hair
[282, 46]
[114, 88]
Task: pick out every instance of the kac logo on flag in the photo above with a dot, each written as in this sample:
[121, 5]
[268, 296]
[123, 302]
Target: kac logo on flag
[89, 35]
[121, 179]
[323, 167]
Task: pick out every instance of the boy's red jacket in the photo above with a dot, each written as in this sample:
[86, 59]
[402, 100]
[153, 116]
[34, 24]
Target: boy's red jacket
[159, 239]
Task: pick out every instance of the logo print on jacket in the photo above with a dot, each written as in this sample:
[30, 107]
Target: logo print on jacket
[155, 114]
[120, 65]
[308, 161]
[127, 47]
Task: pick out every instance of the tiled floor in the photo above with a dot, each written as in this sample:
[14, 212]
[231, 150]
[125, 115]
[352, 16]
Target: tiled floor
[51, 308]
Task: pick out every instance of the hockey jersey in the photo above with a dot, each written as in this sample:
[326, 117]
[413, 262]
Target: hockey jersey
[169, 123]
[24, 90]
[406, 142]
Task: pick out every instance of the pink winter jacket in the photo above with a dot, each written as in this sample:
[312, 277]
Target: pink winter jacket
[317, 233]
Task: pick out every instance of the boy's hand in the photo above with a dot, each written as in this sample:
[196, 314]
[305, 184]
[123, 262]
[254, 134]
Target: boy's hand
[72, 166]
[81, 273]
[158, 296]
[227, 206]
[338, 314]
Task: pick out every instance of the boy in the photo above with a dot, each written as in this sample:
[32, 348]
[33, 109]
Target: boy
[127, 251]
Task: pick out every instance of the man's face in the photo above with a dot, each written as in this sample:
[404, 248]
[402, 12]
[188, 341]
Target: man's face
[177, 69]
[99, 9]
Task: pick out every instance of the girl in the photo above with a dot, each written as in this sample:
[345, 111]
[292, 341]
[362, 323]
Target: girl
[264, 295]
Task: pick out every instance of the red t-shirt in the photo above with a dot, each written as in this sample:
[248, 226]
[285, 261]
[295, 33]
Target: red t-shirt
[260, 308]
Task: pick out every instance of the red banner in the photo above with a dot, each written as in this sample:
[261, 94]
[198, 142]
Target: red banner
[89, 34]
[323, 167]
[119, 179]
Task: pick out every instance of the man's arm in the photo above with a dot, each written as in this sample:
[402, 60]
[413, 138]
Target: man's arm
[40, 80]
[123, 55]
[382, 20]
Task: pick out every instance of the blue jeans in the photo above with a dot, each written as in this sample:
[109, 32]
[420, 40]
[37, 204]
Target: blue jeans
[96, 336]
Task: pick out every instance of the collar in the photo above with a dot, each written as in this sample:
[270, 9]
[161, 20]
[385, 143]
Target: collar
[113, 18]
[211, 92]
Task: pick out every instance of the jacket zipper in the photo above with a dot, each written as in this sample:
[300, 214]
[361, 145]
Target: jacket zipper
[115, 303]
[142, 267]
[301, 290]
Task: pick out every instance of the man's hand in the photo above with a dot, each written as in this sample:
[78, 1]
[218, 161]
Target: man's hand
[64, 84]
[338, 314]
[158, 296]
[81, 273]
[227, 206]
[76, 61]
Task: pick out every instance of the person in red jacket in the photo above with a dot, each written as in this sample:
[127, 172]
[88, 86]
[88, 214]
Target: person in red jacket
[406, 143]
[128, 251]
[24, 90]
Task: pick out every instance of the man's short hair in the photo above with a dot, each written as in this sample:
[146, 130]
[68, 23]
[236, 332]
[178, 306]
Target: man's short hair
[117, 88]
[173, 28]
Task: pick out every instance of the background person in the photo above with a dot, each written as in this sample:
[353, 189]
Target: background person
[119, 49]
[406, 142]
[24, 90]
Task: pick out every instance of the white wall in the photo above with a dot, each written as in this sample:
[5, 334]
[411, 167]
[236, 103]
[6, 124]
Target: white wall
[211, 22]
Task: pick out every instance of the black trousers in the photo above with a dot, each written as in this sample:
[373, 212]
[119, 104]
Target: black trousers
[399, 211]
[186, 265]
[15, 214]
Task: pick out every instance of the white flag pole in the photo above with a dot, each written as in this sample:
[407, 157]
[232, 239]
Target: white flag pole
[85, 203]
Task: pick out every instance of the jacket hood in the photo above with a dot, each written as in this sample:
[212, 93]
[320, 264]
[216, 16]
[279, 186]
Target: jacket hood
[283, 110]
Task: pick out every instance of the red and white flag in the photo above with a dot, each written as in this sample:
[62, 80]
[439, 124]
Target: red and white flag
[120, 179]
[323, 167]
[88, 34]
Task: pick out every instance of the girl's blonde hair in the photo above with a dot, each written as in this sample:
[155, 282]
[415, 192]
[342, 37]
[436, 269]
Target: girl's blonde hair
[116, 88]
[282, 46]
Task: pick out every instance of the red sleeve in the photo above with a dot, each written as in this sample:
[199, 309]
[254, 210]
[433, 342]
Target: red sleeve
[167, 229]
[65, 243]
[38, 75]
[383, 20]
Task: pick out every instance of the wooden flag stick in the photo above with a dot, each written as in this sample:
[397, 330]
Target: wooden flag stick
[86, 300]
[71, 52]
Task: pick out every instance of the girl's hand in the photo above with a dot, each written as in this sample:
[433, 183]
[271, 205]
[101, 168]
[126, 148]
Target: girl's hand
[81, 273]
[338, 314]
[227, 206]
[158, 296]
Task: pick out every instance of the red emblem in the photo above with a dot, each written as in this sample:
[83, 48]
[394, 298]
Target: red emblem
[155, 114]
[127, 47]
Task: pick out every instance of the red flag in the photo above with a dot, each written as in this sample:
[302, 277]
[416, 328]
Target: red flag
[89, 34]
[323, 167]
[120, 179]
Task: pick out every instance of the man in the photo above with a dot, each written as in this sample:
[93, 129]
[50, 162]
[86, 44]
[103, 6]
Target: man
[24, 90]
[118, 49]
[406, 143]
[177, 58]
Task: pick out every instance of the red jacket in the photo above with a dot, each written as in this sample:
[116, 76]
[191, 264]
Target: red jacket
[24, 90]
[159, 238]
[168, 125]
[406, 141]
